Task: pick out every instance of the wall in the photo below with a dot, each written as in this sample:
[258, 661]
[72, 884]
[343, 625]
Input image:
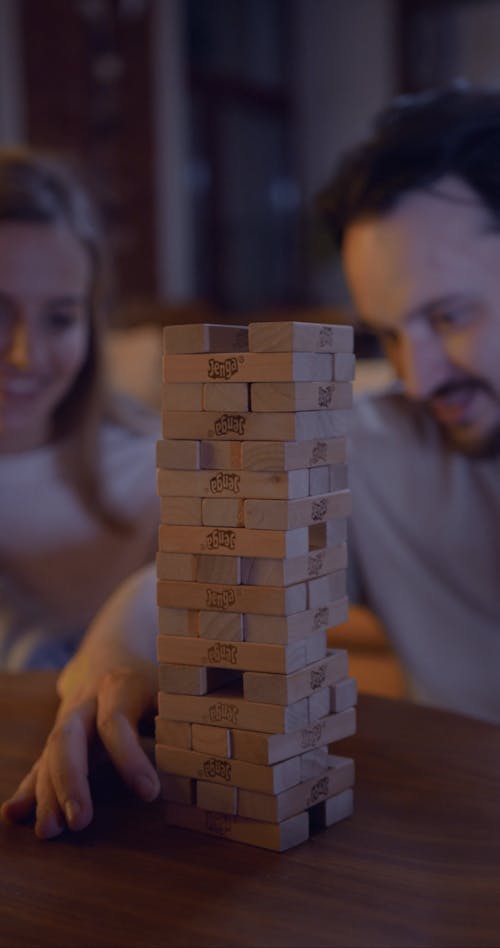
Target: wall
[11, 75]
[345, 72]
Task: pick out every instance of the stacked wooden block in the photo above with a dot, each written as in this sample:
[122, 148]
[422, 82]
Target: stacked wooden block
[251, 572]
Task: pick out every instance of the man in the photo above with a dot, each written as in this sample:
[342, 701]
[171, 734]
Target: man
[415, 212]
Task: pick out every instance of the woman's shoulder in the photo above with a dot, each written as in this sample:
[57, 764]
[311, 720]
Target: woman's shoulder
[128, 439]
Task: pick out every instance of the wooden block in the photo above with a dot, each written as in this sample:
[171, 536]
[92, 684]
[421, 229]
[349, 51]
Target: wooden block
[218, 569]
[180, 511]
[300, 396]
[284, 689]
[244, 656]
[194, 484]
[215, 741]
[291, 455]
[336, 531]
[343, 695]
[326, 589]
[221, 455]
[250, 367]
[216, 797]
[283, 630]
[268, 600]
[344, 366]
[339, 611]
[292, 514]
[339, 777]
[182, 396]
[227, 708]
[222, 513]
[299, 337]
[205, 337]
[261, 748]
[314, 763]
[249, 426]
[179, 679]
[316, 647]
[235, 773]
[277, 544]
[177, 622]
[176, 566]
[176, 789]
[218, 396]
[174, 733]
[319, 704]
[265, 572]
[276, 837]
[224, 626]
[178, 455]
[319, 480]
[339, 477]
[331, 811]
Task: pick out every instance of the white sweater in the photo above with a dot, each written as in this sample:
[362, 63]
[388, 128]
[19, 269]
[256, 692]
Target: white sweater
[57, 563]
[425, 553]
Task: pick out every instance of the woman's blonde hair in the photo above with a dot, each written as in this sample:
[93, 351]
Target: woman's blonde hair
[40, 188]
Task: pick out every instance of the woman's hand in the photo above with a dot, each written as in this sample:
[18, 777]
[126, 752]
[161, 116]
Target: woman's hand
[105, 690]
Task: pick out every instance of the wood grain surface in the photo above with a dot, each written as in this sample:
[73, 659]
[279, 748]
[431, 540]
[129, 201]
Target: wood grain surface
[418, 865]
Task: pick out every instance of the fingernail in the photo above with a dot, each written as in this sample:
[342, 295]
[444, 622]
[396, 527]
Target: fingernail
[48, 825]
[146, 788]
[71, 810]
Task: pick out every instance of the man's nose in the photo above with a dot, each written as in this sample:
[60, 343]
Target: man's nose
[423, 366]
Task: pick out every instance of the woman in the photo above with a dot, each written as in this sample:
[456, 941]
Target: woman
[78, 508]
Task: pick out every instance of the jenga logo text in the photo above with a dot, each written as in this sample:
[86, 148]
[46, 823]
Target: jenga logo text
[213, 767]
[318, 792]
[230, 424]
[325, 396]
[325, 337]
[218, 538]
[223, 368]
[320, 618]
[311, 736]
[319, 510]
[319, 453]
[318, 677]
[222, 711]
[315, 564]
[220, 599]
[223, 652]
[225, 481]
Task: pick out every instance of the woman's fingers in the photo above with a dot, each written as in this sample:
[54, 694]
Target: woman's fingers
[66, 770]
[124, 697]
[22, 803]
[57, 786]
[49, 820]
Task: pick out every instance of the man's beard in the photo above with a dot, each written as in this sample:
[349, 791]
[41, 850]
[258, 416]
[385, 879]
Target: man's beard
[456, 436]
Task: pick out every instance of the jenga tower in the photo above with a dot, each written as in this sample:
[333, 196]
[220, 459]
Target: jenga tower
[251, 572]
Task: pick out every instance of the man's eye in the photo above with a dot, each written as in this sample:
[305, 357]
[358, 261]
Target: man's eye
[450, 318]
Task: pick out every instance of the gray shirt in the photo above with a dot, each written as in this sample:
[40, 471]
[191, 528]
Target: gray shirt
[425, 553]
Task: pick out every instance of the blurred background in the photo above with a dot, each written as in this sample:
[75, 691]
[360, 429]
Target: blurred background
[204, 129]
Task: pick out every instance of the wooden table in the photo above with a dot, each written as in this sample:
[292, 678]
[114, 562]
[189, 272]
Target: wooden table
[418, 865]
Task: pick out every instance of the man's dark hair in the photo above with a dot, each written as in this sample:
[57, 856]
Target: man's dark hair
[416, 141]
